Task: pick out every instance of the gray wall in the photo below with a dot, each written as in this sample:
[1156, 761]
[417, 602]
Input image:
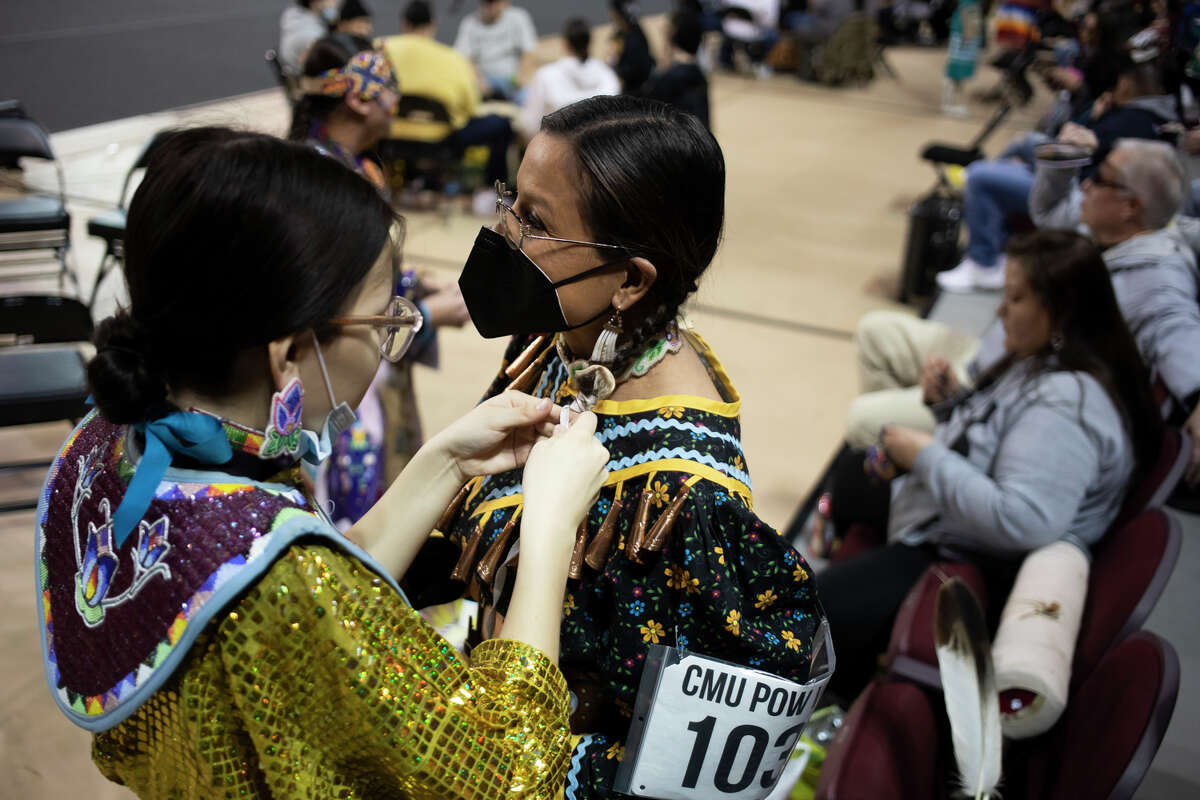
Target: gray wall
[79, 62]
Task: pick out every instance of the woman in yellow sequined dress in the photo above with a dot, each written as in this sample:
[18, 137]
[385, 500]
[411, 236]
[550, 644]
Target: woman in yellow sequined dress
[200, 616]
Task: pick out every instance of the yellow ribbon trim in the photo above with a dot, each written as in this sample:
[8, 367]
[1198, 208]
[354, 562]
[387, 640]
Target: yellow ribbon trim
[699, 472]
[474, 489]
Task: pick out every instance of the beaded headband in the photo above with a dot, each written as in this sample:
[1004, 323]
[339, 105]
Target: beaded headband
[367, 74]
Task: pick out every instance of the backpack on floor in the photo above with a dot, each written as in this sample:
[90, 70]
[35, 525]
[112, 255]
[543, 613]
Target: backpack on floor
[934, 223]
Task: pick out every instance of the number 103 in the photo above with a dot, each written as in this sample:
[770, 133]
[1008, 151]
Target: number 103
[733, 745]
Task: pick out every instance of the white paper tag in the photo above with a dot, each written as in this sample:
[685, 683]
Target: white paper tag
[713, 729]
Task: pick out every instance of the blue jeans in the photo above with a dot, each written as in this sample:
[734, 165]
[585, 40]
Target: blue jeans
[493, 131]
[1023, 146]
[505, 86]
[996, 190]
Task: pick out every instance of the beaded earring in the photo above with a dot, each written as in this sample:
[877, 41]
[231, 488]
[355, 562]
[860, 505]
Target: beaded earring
[282, 436]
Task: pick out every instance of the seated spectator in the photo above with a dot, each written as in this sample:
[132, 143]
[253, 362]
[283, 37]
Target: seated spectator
[1087, 69]
[1041, 450]
[427, 68]
[1137, 108]
[576, 76]
[683, 83]
[299, 26]
[347, 105]
[499, 40]
[632, 61]
[354, 26]
[1127, 204]
[750, 26]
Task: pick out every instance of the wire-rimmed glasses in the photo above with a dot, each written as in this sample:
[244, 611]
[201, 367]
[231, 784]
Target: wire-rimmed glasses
[515, 230]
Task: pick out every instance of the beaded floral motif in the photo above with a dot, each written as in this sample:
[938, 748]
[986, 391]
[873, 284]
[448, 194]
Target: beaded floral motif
[657, 351]
[282, 436]
[114, 616]
[98, 561]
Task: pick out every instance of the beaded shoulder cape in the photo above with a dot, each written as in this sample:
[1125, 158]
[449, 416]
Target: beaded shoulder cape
[116, 621]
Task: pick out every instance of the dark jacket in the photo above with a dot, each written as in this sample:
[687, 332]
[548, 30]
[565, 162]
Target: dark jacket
[682, 85]
[635, 64]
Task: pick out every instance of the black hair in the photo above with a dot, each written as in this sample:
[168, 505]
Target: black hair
[233, 240]
[1067, 274]
[687, 32]
[417, 14]
[652, 180]
[330, 52]
[353, 9]
[578, 35]
[624, 12]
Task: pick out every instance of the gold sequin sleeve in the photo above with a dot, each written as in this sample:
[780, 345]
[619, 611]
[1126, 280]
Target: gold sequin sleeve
[321, 682]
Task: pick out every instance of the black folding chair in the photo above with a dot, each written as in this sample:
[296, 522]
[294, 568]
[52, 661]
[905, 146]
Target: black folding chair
[433, 155]
[42, 369]
[110, 226]
[31, 223]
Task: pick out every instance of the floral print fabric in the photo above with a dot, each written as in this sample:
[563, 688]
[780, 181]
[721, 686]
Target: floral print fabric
[725, 584]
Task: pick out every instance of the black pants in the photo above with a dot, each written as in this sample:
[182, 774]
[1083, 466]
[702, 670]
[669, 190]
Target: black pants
[856, 497]
[861, 597]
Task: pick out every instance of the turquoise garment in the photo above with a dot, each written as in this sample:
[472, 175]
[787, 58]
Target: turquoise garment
[164, 436]
[965, 39]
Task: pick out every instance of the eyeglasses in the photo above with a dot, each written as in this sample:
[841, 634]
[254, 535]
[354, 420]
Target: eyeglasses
[401, 323]
[1097, 178]
[516, 230]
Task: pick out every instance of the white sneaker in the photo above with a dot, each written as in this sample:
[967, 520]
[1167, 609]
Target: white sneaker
[970, 276]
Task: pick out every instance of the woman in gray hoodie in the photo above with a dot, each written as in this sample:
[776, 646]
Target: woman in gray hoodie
[1042, 449]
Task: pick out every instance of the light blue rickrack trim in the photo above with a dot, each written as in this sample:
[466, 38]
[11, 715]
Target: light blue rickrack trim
[559, 377]
[498, 492]
[609, 434]
[687, 455]
[577, 765]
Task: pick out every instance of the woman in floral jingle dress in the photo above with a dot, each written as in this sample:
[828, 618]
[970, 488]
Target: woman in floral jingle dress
[620, 211]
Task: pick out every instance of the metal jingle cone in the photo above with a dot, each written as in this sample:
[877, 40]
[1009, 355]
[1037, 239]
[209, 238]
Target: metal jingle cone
[575, 570]
[466, 559]
[660, 534]
[447, 518]
[523, 381]
[597, 552]
[486, 570]
[522, 362]
[637, 534]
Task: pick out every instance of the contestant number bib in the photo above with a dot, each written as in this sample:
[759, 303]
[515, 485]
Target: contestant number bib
[704, 728]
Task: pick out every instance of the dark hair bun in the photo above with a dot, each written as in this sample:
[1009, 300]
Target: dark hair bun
[125, 387]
